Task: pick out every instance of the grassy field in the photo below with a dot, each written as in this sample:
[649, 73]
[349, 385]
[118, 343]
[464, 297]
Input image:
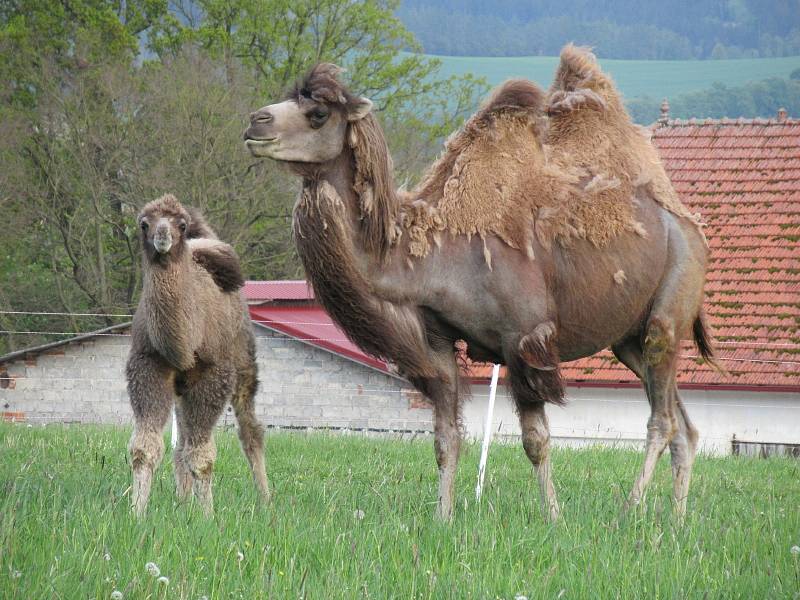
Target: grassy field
[655, 78]
[352, 518]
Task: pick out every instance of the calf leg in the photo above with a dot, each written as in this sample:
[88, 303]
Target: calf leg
[150, 389]
[202, 405]
[251, 433]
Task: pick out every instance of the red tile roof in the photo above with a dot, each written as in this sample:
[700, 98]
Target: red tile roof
[743, 176]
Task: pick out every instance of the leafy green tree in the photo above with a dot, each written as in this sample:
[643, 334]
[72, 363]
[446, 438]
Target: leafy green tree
[92, 127]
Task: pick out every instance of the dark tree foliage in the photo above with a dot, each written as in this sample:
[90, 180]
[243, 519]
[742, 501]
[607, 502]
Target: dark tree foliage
[644, 29]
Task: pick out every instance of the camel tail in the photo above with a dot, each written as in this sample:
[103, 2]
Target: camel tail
[702, 339]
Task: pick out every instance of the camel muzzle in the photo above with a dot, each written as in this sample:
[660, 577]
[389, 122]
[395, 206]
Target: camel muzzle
[162, 239]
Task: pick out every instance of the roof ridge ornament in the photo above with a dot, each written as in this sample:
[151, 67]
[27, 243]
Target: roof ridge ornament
[664, 118]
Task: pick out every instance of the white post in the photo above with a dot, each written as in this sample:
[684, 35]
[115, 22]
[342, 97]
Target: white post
[174, 439]
[487, 432]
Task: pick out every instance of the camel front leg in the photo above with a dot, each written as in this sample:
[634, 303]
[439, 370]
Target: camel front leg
[183, 476]
[447, 445]
[150, 390]
[536, 441]
[443, 393]
[201, 406]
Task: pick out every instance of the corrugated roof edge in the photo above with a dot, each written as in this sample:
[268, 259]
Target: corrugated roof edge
[50, 345]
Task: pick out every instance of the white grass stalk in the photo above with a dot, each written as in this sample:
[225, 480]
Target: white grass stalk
[487, 432]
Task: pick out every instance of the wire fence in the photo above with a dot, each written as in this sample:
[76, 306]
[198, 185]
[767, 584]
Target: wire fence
[344, 340]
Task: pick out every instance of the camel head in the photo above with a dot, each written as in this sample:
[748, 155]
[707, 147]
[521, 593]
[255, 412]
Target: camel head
[310, 125]
[163, 226]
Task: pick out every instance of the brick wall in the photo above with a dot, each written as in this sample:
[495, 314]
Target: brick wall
[300, 386]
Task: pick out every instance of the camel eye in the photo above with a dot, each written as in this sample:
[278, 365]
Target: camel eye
[182, 226]
[144, 226]
[318, 116]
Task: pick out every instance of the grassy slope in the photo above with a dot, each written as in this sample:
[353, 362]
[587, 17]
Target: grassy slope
[656, 78]
[63, 505]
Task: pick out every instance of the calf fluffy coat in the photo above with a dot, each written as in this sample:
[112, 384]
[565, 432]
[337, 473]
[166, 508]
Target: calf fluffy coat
[192, 347]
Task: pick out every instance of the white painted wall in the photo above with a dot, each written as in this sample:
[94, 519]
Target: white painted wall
[619, 415]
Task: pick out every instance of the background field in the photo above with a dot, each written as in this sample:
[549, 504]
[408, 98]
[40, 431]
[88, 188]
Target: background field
[65, 529]
[656, 78]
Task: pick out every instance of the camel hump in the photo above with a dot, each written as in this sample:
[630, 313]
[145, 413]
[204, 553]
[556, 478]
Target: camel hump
[515, 94]
[220, 261]
[198, 226]
[580, 83]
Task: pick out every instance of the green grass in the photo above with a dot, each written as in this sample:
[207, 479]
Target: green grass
[64, 505]
[655, 78]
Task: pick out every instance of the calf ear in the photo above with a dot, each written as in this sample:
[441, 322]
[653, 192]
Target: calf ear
[359, 109]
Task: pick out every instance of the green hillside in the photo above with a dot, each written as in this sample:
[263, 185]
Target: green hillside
[655, 78]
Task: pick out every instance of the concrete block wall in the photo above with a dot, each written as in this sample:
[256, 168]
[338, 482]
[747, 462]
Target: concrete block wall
[299, 386]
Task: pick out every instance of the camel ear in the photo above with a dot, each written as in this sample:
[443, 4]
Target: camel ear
[360, 109]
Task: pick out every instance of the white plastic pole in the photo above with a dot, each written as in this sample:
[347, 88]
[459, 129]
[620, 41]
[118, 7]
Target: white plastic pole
[174, 439]
[487, 432]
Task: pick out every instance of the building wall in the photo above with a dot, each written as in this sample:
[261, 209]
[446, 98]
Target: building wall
[619, 416]
[299, 386]
[304, 386]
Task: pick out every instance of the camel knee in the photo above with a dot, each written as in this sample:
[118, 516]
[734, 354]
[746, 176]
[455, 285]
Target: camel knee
[200, 460]
[146, 449]
[659, 339]
[537, 445]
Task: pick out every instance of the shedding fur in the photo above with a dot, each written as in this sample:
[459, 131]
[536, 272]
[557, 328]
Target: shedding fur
[513, 173]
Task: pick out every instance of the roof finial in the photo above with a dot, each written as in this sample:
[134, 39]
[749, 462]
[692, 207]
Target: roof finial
[664, 118]
[781, 115]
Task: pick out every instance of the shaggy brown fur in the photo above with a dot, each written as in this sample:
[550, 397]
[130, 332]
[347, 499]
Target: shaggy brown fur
[591, 135]
[191, 337]
[471, 189]
[507, 173]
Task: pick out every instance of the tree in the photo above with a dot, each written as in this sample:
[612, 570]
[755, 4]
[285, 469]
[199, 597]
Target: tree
[91, 129]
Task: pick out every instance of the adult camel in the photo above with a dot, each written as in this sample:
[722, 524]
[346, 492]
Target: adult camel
[545, 232]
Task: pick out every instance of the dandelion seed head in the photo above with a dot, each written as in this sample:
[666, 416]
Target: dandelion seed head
[359, 514]
[106, 556]
[116, 595]
[520, 597]
[795, 549]
[153, 569]
[16, 574]
[239, 556]
[163, 580]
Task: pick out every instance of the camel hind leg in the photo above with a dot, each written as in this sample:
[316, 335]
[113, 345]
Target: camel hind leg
[251, 433]
[684, 437]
